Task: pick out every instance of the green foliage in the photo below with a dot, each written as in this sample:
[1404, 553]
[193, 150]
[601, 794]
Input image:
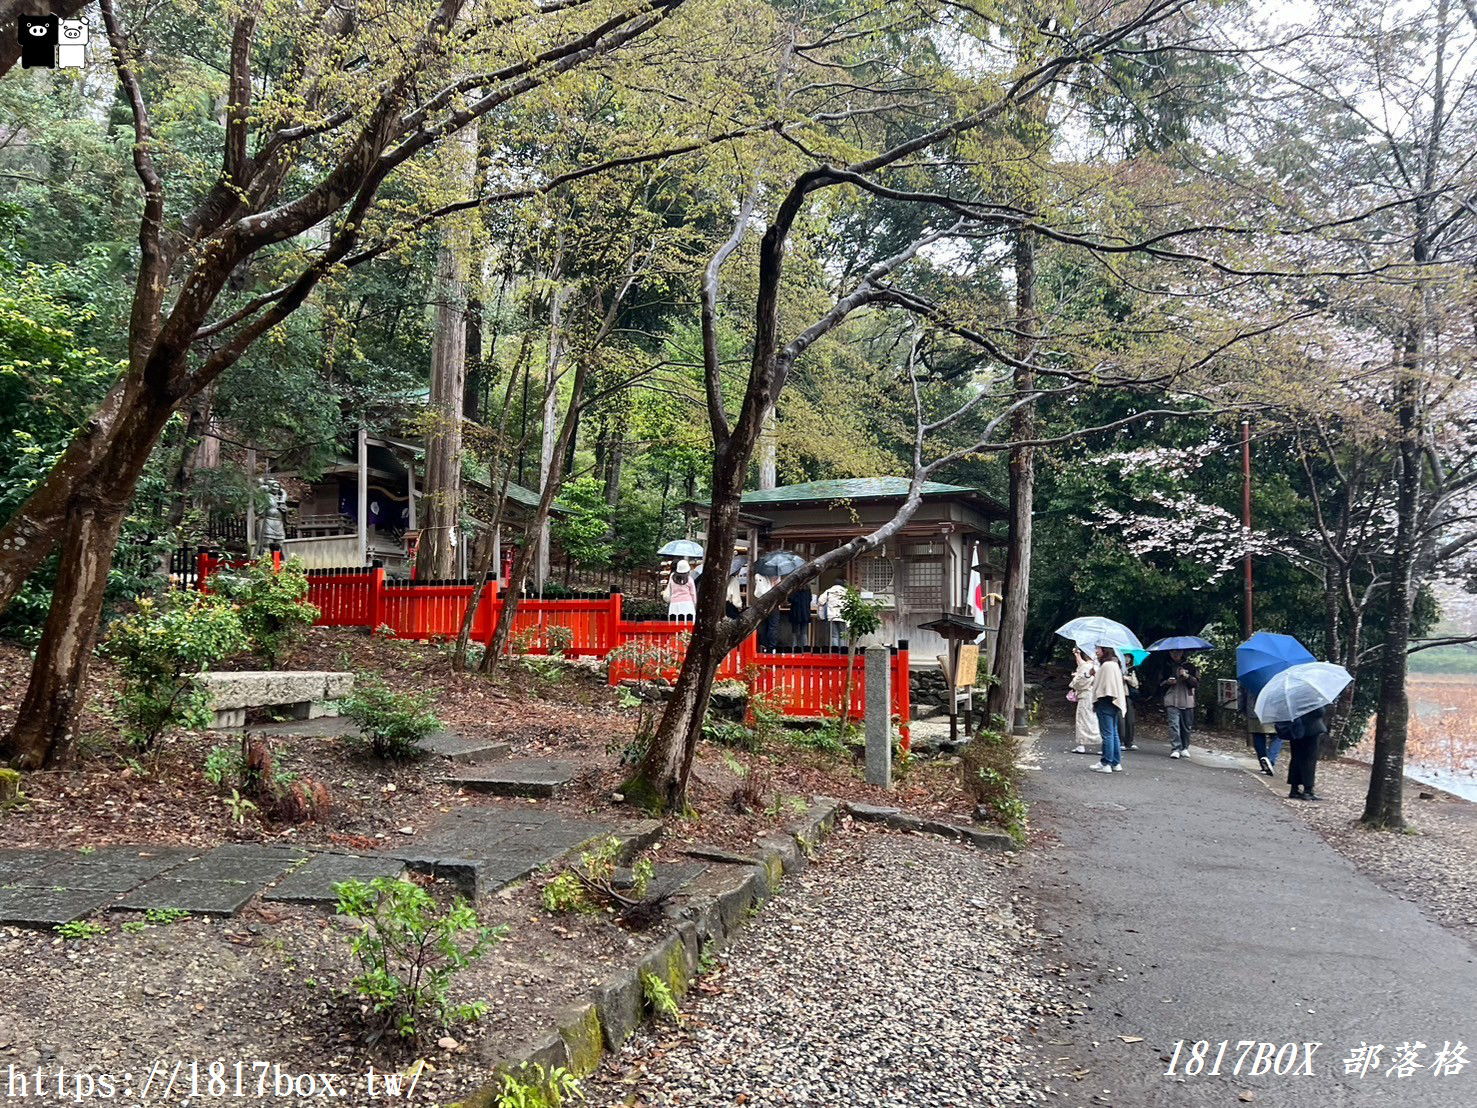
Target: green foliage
[272, 604]
[158, 649]
[240, 806]
[991, 772]
[223, 764]
[536, 1087]
[659, 998]
[135, 927]
[729, 732]
[80, 929]
[862, 617]
[394, 723]
[584, 533]
[163, 917]
[410, 954]
[565, 893]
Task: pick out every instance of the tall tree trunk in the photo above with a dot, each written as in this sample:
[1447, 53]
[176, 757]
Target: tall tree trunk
[442, 503]
[659, 783]
[1007, 694]
[1333, 593]
[1384, 802]
[46, 722]
[472, 395]
[613, 461]
[769, 452]
[189, 456]
[537, 525]
[551, 430]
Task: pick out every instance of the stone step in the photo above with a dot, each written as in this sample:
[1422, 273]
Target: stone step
[471, 752]
[540, 778]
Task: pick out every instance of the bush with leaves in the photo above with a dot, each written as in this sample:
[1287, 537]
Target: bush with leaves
[394, 723]
[533, 1086]
[158, 649]
[410, 954]
[990, 765]
[273, 604]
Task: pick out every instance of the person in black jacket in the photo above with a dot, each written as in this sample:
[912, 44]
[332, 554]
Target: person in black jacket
[1303, 735]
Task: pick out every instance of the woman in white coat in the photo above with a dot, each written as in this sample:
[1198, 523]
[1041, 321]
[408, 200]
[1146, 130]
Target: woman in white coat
[1089, 738]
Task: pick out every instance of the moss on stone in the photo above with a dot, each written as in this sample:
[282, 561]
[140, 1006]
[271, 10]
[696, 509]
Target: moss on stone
[585, 1042]
[10, 785]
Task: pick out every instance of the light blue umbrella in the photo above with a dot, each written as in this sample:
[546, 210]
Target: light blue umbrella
[682, 548]
[1298, 690]
[1090, 631]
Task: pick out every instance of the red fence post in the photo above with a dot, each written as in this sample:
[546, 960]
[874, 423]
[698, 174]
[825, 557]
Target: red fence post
[902, 694]
[202, 570]
[613, 631]
[376, 597]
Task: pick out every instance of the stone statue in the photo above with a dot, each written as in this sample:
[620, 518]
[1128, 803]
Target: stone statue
[270, 531]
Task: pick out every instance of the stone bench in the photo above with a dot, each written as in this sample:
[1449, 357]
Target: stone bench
[307, 694]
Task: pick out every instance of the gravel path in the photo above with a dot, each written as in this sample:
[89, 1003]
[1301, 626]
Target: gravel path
[893, 973]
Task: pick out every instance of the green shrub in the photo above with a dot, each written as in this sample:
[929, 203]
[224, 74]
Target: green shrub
[159, 649]
[273, 604]
[991, 771]
[223, 765]
[659, 997]
[535, 1087]
[409, 954]
[394, 723]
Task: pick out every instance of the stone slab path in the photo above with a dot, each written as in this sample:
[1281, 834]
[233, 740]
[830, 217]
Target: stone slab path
[479, 848]
[528, 777]
[443, 743]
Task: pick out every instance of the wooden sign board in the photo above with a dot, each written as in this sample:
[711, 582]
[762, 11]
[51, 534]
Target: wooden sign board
[967, 668]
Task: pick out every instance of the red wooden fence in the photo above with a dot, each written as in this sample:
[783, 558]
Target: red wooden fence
[810, 684]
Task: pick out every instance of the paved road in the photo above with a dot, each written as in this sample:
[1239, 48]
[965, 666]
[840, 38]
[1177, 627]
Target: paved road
[1202, 908]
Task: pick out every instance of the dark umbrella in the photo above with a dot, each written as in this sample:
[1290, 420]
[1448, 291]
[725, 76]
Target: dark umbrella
[779, 563]
[1181, 642]
[738, 564]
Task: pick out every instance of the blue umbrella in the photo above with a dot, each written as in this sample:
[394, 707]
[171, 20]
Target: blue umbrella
[1090, 631]
[1182, 642]
[1300, 689]
[682, 548]
[1264, 655]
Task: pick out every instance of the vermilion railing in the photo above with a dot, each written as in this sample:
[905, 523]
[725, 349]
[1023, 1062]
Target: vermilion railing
[809, 684]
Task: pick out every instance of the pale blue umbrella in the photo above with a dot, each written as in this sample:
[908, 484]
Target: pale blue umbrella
[1298, 690]
[682, 548]
[1090, 631]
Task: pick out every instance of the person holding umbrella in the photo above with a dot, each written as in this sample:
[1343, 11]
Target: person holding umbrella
[680, 592]
[1179, 701]
[1294, 700]
[1108, 702]
[1081, 692]
[1131, 659]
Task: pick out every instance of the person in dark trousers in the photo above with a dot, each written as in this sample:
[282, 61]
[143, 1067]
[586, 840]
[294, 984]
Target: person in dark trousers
[1179, 702]
[800, 620]
[1264, 737]
[1303, 735]
[1131, 687]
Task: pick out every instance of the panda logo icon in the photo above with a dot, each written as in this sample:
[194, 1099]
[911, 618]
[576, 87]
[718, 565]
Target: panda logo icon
[38, 36]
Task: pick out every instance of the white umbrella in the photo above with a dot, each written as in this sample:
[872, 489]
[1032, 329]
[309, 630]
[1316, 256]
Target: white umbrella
[1298, 690]
[1090, 631]
[681, 548]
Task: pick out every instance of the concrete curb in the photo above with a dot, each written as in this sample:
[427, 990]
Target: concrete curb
[899, 820]
[710, 910]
